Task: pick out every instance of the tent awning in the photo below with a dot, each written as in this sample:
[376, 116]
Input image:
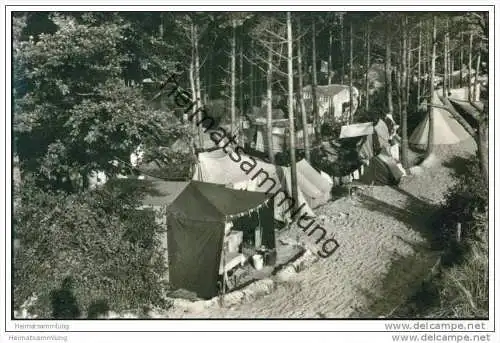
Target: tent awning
[356, 130]
[208, 201]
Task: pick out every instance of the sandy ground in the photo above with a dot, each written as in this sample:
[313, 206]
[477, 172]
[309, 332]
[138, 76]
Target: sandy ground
[370, 228]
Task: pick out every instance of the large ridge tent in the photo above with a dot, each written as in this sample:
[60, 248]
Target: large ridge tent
[446, 129]
[197, 221]
[280, 138]
[279, 124]
[218, 167]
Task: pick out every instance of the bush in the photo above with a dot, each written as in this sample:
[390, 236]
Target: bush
[467, 199]
[81, 249]
[464, 287]
[463, 284]
[331, 128]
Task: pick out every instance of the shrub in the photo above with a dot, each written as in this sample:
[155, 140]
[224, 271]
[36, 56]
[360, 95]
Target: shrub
[467, 199]
[463, 283]
[464, 287]
[82, 249]
[331, 127]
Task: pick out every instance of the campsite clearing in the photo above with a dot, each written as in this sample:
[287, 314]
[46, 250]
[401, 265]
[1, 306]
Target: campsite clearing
[370, 229]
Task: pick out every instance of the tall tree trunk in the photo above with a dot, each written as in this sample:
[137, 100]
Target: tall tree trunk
[243, 103]
[197, 83]
[269, 121]
[452, 68]
[430, 146]
[469, 78]
[241, 82]
[301, 98]
[448, 53]
[316, 121]
[425, 67]
[476, 77]
[192, 83]
[388, 72]
[233, 78]
[252, 78]
[445, 65]
[424, 54]
[419, 63]
[399, 73]
[293, 165]
[342, 70]
[330, 48]
[399, 78]
[367, 81]
[409, 69]
[404, 114]
[461, 59]
[351, 60]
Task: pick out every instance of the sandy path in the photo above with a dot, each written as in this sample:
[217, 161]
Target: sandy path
[370, 230]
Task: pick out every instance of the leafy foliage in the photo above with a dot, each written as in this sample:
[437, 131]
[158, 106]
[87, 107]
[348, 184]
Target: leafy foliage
[98, 239]
[464, 290]
[74, 113]
[466, 200]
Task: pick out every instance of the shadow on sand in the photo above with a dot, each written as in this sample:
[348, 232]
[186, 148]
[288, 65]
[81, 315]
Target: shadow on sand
[409, 289]
[416, 213]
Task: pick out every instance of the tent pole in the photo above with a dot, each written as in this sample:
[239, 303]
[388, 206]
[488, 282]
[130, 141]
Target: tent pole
[258, 243]
[223, 272]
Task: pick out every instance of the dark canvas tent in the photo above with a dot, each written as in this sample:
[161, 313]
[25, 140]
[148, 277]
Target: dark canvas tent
[382, 170]
[196, 227]
[375, 163]
[357, 141]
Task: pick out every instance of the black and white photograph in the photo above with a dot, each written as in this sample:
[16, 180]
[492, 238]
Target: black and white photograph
[210, 164]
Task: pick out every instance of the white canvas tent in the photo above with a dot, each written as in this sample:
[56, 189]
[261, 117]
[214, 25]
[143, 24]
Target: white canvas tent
[446, 129]
[315, 187]
[356, 130]
[281, 138]
[313, 190]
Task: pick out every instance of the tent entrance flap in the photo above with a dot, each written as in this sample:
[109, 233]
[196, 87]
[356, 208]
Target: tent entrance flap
[382, 170]
[194, 253]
